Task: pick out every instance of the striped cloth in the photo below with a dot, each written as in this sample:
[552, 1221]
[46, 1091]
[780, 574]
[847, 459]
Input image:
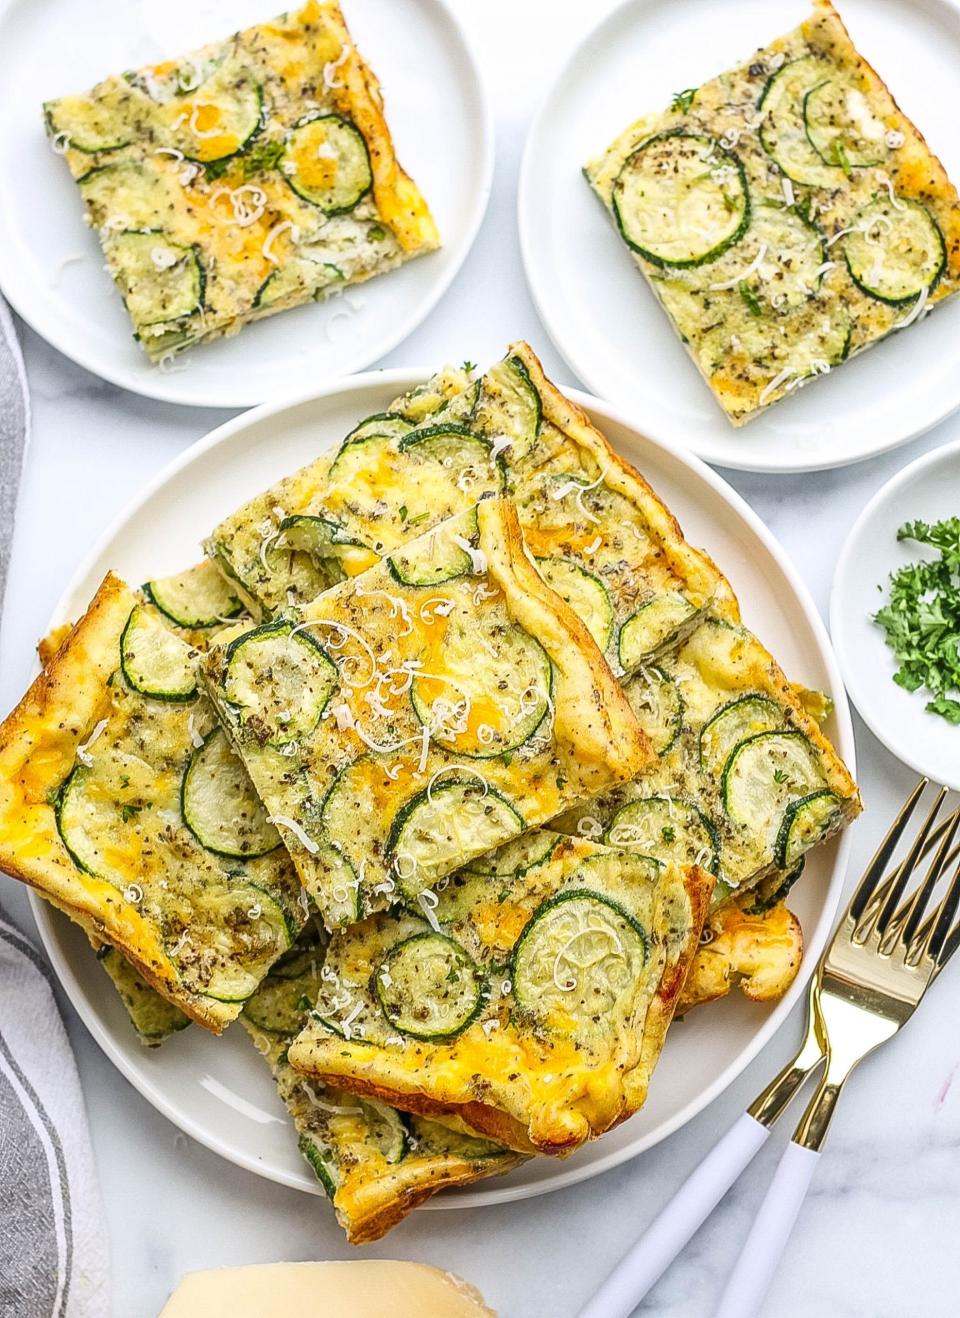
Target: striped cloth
[53, 1235]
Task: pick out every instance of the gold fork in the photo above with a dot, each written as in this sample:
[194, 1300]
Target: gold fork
[883, 956]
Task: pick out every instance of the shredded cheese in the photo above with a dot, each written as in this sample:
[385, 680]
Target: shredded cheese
[284, 821]
[83, 750]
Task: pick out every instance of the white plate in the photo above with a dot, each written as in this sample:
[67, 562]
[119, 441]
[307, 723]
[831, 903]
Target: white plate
[594, 302]
[928, 489]
[218, 1090]
[443, 134]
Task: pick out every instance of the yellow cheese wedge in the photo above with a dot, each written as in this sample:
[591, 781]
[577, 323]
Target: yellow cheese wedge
[366, 1289]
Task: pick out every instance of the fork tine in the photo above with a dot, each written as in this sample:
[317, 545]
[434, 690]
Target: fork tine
[905, 872]
[904, 924]
[936, 940]
[933, 840]
[881, 857]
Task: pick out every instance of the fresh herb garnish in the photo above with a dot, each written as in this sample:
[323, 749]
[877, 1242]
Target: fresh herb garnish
[127, 812]
[922, 618]
[260, 157]
[750, 299]
[683, 100]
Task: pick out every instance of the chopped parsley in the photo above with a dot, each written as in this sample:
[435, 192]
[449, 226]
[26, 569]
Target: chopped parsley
[683, 100]
[922, 618]
[127, 812]
[262, 156]
[750, 299]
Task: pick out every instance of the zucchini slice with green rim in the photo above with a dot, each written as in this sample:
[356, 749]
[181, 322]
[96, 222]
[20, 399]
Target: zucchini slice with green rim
[429, 562]
[510, 406]
[200, 597]
[456, 447]
[387, 1128]
[89, 125]
[652, 626]
[154, 660]
[783, 131]
[667, 829]
[585, 593]
[804, 823]
[895, 250]
[445, 826]
[324, 539]
[79, 817]
[152, 1016]
[220, 117]
[343, 900]
[577, 962]
[841, 127]
[429, 988]
[481, 702]
[771, 891]
[233, 937]
[516, 857]
[658, 705]
[298, 278]
[391, 424]
[219, 804]
[280, 1005]
[764, 774]
[330, 163]
[136, 190]
[279, 679]
[733, 723]
[462, 407]
[160, 280]
[322, 1163]
[681, 200]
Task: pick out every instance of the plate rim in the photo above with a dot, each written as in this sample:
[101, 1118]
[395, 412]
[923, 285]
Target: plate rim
[851, 681]
[163, 387]
[562, 341]
[815, 937]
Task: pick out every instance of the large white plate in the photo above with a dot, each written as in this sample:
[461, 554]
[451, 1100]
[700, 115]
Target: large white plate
[218, 1090]
[595, 304]
[442, 131]
[928, 489]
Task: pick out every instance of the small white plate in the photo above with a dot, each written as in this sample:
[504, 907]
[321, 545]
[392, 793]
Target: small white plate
[51, 267]
[928, 489]
[594, 302]
[218, 1090]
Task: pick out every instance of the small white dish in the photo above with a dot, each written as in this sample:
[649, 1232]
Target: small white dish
[595, 304]
[51, 267]
[218, 1090]
[928, 489]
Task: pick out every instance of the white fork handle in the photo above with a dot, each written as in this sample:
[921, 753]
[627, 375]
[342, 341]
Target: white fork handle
[760, 1257]
[663, 1240]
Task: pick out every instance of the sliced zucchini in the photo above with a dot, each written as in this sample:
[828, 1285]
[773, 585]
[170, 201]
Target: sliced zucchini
[296, 281]
[462, 407]
[160, 280]
[430, 560]
[764, 774]
[895, 252]
[154, 660]
[651, 627]
[667, 829]
[460, 450]
[220, 118]
[326, 540]
[329, 163]
[280, 1005]
[200, 597]
[428, 987]
[783, 131]
[386, 1127]
[509, 406]
[681, 200]
[152, 1016]
[391, 424]
[577, 963]
[323, 1164]
[279, 679]
[485, 700]
[770, 892]
[841, 127]
[585, 593]
[733, 723]
[90, 125]
[138, 191]
[233, 936]
[656, 701]
[444, 826]
[516, 857]
[80, 818]
[343, 900]
[219, 804]
[804, 823]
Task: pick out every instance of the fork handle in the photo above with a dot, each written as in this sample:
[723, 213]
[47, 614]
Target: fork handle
[750, 1280]
[663, 1240]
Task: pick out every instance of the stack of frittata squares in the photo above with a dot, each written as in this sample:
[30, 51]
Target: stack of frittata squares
[452, 772]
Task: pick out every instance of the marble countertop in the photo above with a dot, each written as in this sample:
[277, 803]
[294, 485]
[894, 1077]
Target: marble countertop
[877, 1236]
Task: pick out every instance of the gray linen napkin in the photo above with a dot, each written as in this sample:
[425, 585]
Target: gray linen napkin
[53, 1235]
[14, 429]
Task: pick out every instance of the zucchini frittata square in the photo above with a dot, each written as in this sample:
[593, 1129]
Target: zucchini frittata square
[250, 176]
[601, 537]
[123, 804]
[786, 214]
[422, 713]
[533, 1004]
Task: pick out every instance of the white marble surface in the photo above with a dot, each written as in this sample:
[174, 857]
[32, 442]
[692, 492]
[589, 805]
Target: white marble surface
[876, 1239]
